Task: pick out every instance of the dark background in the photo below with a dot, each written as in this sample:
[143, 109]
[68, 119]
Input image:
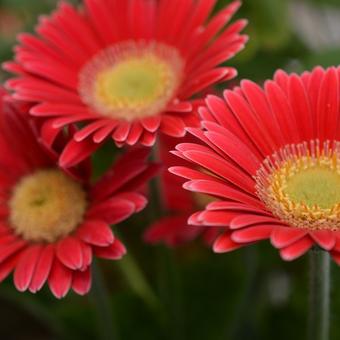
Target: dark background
[249, 294]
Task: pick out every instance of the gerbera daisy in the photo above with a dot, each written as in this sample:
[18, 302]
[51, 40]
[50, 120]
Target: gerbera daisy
[273, 161]
[53, 222]
[173, 229]
[123, 69]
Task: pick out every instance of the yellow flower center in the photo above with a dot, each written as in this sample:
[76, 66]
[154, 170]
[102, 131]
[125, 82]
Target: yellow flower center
[131, 80]
[300, 184]
[46, 205]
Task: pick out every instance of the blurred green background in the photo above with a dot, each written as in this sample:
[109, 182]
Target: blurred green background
[249, 294]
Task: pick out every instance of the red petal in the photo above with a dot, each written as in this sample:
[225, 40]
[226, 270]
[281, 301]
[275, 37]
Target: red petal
[56, 109]
[42, 269]
[69, 252]
[60, 279]
[324, 238]
[7, 266]
[234, 206]
[25, 268]
[148, 139]
[250, 123]
[300, 105]
[135, 133]
[252, 234]
[11, 248]
[152, 123]
[97, 233]
[284, 236]
[282, 111]
[87, 256]
[81, 283]
[188, 173]
[217, 218]
[122, 132]
[296, 249]
[89, 129]
[242, 221]
[102, 134]
[328, 106]
[75, 152]
[195, 219]
[225, 244]
[113, 252]
[48, 132]
[138, 200]
[259, 105]
[112, 211]
[180, 107]
[236, 150]
[172, 126]
[215, 188]
[222, 168]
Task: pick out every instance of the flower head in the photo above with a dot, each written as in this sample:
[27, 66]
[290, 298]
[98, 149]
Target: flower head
[52, 221]
[272, 160]
[123, 69]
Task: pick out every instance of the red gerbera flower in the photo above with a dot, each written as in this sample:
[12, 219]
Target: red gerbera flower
[275, 158]
[53, 222]
[123, 69]
[179, 204]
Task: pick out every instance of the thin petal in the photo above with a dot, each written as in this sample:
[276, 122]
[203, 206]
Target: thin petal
[42, 269]
[224, 244]
[284, 236]
[97, 233]
[26, 266]
[60, 279]
[113, 252]
[324, 238]
[296, 249]
[81, 282]
[252, 234]
[69, 252]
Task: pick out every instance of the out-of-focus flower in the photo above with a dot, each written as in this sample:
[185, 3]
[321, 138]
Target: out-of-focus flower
[179, 204]
[10, 24]
[123, 69]
[318, 25]
[275, 157]
[52, 221]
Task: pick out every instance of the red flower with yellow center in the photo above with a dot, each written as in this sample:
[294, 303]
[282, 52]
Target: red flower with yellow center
[52, 221]
[123, 69]
[273, 161]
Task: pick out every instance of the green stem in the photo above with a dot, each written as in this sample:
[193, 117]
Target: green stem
[241, 324]
[170, 290]
[138, 283]
[101, 299]
[319, 303]
[169, 281]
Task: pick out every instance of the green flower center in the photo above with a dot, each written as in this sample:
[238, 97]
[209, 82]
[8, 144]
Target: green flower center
[318, 186]
[131, 80]
[300, 184]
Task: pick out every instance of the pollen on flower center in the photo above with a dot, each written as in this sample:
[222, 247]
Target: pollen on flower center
[46, 205]
[131, 80]
[300, 184]
[318, 185]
